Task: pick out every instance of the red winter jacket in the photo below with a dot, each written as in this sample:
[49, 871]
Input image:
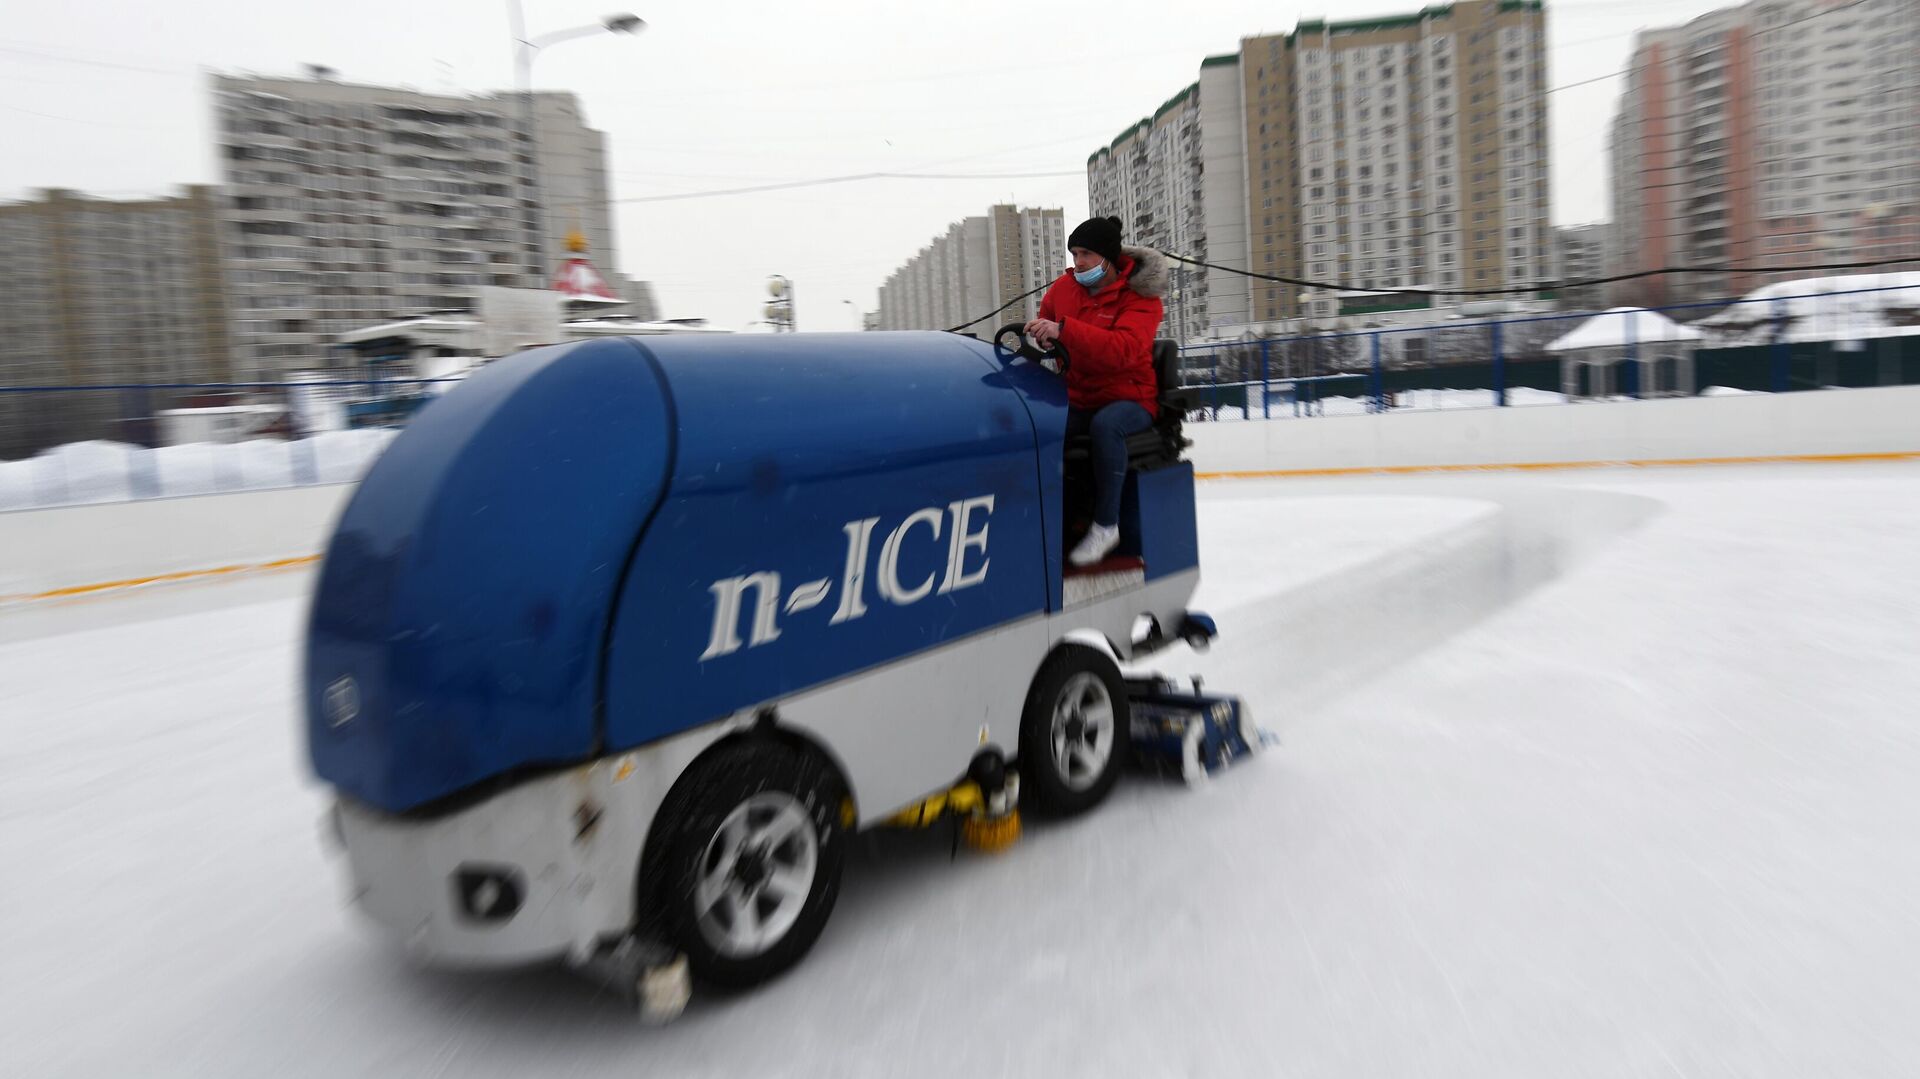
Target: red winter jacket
[1109, 334]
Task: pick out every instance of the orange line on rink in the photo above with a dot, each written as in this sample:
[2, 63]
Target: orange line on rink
[1555, 466]
[160, 578]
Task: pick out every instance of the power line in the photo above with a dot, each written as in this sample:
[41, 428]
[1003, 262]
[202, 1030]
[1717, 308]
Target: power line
[642, 173]
[1545, 286]
[1865, 264]
[93, 123]
[1002, 307]
[69, 59]
[848, 179]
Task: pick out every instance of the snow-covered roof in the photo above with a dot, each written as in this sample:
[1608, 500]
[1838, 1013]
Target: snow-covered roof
[408, 327]
[1847, 307]
[225, 410]
[456, 329]
[1621, 326]
[617, 327]
[1812, 295]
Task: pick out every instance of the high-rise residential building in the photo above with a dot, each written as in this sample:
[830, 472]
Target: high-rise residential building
[975, 266]
[1413, 151]
[1399, 152]
[1029, 249]
[106, 292]
[1765, 139]
[350, 204]
[1173, 180]
[1580, 254]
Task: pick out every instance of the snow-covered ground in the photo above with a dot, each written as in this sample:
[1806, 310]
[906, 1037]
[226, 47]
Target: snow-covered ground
[1606, 775]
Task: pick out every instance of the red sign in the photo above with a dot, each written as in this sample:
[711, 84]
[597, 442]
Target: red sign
[578, 280]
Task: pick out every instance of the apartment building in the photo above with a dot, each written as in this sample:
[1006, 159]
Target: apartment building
[349, 204]
[99, 292]
[1581, 255]
[1413, 152]
[1400, 152]
[978, 264]
[1766, 139]
[1172, 179]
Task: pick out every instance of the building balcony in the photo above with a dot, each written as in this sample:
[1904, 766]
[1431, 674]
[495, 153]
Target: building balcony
[1701, 150]
[1702, 131]
[1706, 178]
[1711, 85]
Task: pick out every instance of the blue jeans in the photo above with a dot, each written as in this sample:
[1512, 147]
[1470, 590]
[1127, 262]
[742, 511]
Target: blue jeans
[1109, 427]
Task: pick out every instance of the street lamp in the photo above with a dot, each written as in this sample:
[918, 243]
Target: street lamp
[779, 310]
[525, 49]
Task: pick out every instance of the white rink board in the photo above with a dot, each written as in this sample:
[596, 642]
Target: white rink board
[1878, 421]
[69, 547]
[79, 546]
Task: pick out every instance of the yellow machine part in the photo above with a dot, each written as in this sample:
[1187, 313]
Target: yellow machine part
[991, 834]
[977, 830]
[962, 799]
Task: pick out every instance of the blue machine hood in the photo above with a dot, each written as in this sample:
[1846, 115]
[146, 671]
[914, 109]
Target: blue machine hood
[533, 572]
[457, 624]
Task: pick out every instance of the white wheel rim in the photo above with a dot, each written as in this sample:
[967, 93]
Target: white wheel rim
[1082, 731]
[755, 875]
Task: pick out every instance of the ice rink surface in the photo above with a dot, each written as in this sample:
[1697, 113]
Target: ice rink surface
[1605, 773]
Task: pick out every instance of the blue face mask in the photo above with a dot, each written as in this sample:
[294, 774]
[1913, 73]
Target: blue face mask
[1091, 278]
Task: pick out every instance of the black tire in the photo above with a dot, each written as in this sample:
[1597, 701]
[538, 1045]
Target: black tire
[1063, 787]
[748, 785]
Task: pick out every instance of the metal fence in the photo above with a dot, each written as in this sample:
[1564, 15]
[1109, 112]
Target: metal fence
[38, 418]
[1815, 340]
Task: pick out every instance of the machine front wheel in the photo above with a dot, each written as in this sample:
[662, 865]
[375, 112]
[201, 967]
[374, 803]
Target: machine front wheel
[754, 865]
[1074, 731]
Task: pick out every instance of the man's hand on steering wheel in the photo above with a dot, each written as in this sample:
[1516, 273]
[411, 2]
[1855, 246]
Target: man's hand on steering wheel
[1028, 343]
[1043, 331]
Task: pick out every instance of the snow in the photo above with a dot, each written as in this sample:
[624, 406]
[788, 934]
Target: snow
[80, 471]
[1606, 774]
[110, 472]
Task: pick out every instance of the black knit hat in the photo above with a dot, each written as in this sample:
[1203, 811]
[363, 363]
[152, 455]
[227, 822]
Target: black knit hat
[1100, 235]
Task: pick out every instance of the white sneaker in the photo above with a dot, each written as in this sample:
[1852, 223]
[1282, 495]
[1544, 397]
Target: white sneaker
[1099, 540]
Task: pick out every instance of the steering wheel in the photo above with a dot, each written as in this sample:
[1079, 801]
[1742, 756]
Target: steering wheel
[1027, 349]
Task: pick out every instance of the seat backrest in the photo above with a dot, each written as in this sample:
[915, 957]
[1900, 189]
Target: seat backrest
[1166, 368]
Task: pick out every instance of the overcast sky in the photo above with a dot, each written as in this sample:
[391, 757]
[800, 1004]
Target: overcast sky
[110, 97]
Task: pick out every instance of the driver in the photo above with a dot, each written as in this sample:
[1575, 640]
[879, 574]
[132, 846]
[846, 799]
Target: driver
[1105, 310]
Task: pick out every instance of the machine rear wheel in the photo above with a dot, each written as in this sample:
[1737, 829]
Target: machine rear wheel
[1074, 731]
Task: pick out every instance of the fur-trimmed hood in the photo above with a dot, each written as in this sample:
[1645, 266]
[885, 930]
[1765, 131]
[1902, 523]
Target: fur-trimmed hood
[1150, 271]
